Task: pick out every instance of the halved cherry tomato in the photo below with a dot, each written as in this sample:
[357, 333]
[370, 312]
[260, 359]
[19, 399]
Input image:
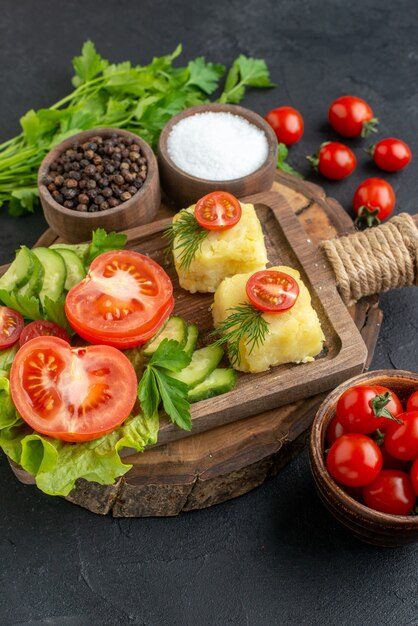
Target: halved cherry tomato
[11, 325]
[218, 210]
[272, 291]
[287, 123]
[42, 328]
[401, 440]
[414, 476]
[355, 411]
[335, 430]
[354, 460]
[412, 404]
[72, 394]
[391, 492]
[374, 198]
[351, 116]
[391, 154]
[334, 160]
[123, 301]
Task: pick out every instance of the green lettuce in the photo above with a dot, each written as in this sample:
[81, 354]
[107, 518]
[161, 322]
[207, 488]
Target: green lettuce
[56, 465]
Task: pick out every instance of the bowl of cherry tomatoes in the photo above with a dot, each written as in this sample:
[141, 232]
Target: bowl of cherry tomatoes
[364, 456]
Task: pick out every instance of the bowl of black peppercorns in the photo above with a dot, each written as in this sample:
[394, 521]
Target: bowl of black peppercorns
[100, 178]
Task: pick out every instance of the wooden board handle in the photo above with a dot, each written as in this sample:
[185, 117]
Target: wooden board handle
[375, 260]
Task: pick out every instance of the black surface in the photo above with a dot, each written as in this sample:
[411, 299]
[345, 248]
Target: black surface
[273, 556]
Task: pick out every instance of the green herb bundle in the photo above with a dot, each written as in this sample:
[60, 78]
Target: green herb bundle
[138, 98]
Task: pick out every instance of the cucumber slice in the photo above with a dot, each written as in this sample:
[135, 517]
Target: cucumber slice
[34, 284]
[202, 364]
[55, 274]
[80, 249]
[174, 328]
[192, 334]
[221, 380]
[19, 271]
[74, 266]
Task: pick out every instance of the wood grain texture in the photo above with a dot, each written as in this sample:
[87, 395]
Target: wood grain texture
[209, 468]
[185, 189]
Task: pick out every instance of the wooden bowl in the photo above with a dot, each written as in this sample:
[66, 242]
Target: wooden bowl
[380, 529]
[185, 189]
[74, 226]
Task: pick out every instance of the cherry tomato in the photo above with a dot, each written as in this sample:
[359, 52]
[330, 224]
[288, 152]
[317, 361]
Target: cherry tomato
[42, 328]
[351, 117]
[389, 461]
[355, 411]
[72, 394]
[287, 123]
[218, 210]
[11, 325]
[334, 160]
[401, 440]
[374, 197]
[354, 460]
[414, 476]
[391, 154]
[335, 430]
[412, 404]
[272, 291]
[391, 492]
[123, 301]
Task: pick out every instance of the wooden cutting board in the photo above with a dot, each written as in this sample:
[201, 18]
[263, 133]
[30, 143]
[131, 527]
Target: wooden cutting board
[229, 460]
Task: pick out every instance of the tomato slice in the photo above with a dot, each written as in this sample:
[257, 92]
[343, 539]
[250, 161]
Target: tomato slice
[42, 328]
[72, 394]
[123, 301]
[11, 325]
[218, 210]
[272, 291]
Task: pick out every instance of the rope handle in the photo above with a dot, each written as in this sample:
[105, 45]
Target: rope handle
[375, 260]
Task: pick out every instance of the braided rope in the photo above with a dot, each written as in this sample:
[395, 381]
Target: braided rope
[375, 260]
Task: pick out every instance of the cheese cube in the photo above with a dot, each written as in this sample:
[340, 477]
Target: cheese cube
[294, 336]
[224, 253]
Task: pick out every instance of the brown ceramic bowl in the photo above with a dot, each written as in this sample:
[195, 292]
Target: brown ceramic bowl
[381, 529]
[185, 189]
[74, 226]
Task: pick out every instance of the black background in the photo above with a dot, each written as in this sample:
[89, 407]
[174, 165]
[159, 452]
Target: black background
[273, 556]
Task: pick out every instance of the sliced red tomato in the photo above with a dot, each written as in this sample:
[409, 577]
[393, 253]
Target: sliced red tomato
[42, 328]
[218, 210]
[72, 394]
[123, 301]
[11, 325]
[272, 291]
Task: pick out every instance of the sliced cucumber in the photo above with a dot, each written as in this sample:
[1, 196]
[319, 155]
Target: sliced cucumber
[219, 381]
[202, 364]
[19, 271]
[74, 266]
[174, 328]
[34, 284]
[55, 273]
[192, 334]
[80, 249]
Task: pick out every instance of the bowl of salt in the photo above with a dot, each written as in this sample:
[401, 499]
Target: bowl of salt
[215, 147]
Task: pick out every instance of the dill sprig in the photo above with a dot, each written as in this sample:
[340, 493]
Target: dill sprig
[185, 235]
[244, 323]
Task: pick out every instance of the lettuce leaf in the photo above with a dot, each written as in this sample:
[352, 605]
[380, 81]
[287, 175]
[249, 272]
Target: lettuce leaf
[56, 465]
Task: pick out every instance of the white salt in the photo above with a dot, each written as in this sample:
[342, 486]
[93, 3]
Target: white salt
[217, 146]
